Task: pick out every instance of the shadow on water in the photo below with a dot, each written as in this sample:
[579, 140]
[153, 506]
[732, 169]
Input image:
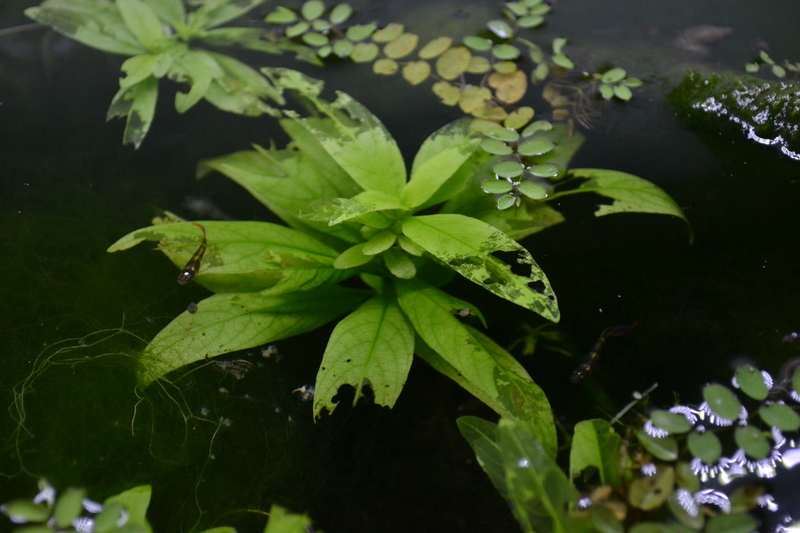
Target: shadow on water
[218, 450]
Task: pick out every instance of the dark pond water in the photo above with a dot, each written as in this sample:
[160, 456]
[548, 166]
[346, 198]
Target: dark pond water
[72, 317]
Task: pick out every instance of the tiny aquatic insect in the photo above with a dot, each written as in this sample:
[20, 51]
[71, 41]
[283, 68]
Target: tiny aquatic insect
[191, 268]
[237, 368]
[589, 363]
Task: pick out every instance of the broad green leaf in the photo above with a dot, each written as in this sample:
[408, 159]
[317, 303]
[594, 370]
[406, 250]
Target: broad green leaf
[705, 445]
[439, 157]
[753, 441]
[671, 422]
[372, 346]
[481, 435]
[722, 401]
[665, 449]
[732, 523]
[137, 68]
[358, 141]
[138, 104]
[380, 242]
[282, 521]
[399, 264]
[538, 490]
[595, 443]
[466, 245]
[365, 202]
[69, 506]
[170, 11]
[228, 322]
[215, 13]
[751, 381]
[473, 361]
[780, 416]
[631, 194]
[244, 82]
[198, 67]
[95, 23]
[135, 501]
[245, 256]
[353, 257]
[141, 21]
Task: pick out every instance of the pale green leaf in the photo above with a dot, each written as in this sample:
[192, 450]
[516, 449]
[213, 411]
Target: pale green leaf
[380, 242]
[631, 194]
[466, 245]
[137, 68]
[172, 12]
[244, 82]
[282, 521]
[595, 443]
[252, 38]
[722, 401]
[135, 501]
[399, 264]
[373, 346]
[200, 69]
[439, 157]
[358, 141]
[244, 256]
[142, 21]
[95, 23]
[366, 202]
[353, 257]
[481, 435]
[228, 322]
[215, 13]
[138, 104]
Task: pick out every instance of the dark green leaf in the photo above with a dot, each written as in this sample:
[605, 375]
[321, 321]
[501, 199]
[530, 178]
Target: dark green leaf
[752, 441]
[706, 446]
[722, 401]
[665, 449]
[751, 382]
[671, 422]
[780, 416]
[732, 523]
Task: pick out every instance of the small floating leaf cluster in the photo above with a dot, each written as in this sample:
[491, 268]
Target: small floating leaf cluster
[764, 60]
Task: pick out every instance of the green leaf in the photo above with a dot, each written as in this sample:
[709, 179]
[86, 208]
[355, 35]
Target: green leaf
[665, 449]
[500, 28]
[650, 492]
[357, 141]
[399, 264]
[380, 242]
[631, 194]
[508, 169]
[439, 157]
[200, 68]
[751, 382]
[245, 256]
[732, 523]
[535, 147]
[506, 201]
[340, 13]
[69, 506]
[705, 445]
[312, 9]
[372, 346]
[495, 147]
[671, 422]
[533, 190]
[216, 13]
[141, 21]
[466, 245]
[722, 401]
[595, 443]
[614, 75]
[242, 89]
[563, 61]
[95, 23]
[228, 322]
[138, 68]
[282, 521]
[281, 15]
[622, 92]
[473, 361]
[365, 202]
[135, 501]
[607, 91]
[780, 416]
[496, 186]
[481, 435]
[170, 11]
[138, 103]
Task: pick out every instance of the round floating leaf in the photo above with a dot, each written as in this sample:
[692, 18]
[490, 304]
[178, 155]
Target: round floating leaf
[479, 44]
[558, 44]
[281, 15]
[506, 201]
[503, 134]
[778, 71]
[297, 29]
[325, 51]
[672, 422]
[26, 511]
[509, 88]
[722, 401]
[69, 506]
[650, 492]
[544, 171]
[533, 190]
[493, 146]
[496, 186]
[343, 48]
[453, 62]
[500, 28]
[385, 66]
[508, 169]
[607, 91]
[416, 72]
[665, 449]
[474, 97]
[752, 441]
[505, 67]
[732, 523]
[313, 9]
[479, 65]
[482, 126]
[539, 125]
[751, 382]
[541, 72]
[518, 118]
[401, 46]
[320, 25]
[380, 242]
[706, 446]
[360, 32]
[622, 92]
[505, 51]
[781, 416]
[315, 39]
[435, 47]
[613, 75]
[535, 147]
[340, 13]
[391, 31]
[364, 52]
[519, 9]
[530, 21]
[563, 61]
[752, 68]
[633, 82]
[490, 112]
[448, 93]
[540, 8]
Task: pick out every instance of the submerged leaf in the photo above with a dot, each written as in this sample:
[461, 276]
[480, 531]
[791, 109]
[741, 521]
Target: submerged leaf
[372, 346]
[595, 443]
